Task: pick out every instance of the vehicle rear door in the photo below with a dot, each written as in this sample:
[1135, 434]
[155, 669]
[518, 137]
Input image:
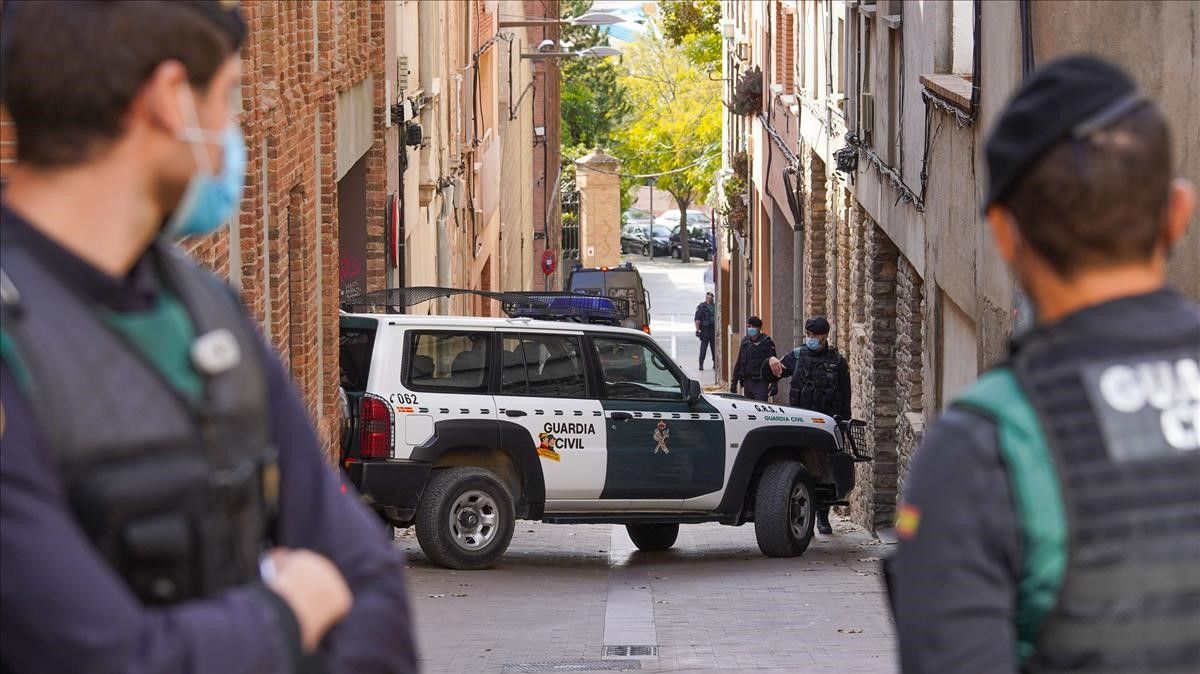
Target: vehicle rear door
[661, 448]
[441, 391]
[545, 391]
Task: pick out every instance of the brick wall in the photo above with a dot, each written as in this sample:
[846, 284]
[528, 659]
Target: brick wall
[816, 208]
[8, 143]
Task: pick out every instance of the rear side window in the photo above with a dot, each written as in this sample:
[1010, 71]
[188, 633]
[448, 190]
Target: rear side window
[448, 362]
[543, 365]
[354, 354]
[587, 280]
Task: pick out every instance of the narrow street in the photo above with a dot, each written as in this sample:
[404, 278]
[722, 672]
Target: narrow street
[675, 289]
[713, 603]
[564, 593]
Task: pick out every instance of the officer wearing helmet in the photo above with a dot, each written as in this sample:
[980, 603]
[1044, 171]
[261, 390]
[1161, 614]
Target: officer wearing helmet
[1051, 521]
[164, 503]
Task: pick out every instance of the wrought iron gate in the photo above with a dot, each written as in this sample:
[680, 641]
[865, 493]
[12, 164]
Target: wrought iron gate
[570, 230]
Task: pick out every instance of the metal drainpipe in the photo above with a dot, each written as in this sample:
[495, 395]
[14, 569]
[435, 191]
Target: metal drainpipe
[443, 245]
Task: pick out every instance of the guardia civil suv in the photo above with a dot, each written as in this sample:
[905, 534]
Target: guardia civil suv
[461, 426]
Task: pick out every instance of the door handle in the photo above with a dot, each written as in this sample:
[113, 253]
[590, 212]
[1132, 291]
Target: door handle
[621, 416]
[515, 413]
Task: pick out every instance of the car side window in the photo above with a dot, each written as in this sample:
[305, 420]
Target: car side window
[633, 370]
[448, 362]
[543, 365]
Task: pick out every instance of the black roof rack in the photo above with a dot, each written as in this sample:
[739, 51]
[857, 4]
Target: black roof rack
[516, 304]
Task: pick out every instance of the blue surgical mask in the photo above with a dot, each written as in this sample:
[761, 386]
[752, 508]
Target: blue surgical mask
[813, 343]
[211, 197]
[751, 332]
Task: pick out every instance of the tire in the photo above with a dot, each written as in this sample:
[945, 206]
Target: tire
[645, 251]
[653, 537]
[785, 509]
[465, 541]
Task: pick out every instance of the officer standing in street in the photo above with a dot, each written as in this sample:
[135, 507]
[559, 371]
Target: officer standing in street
[820, 382]
[751, 370]
[706, 328]
[1051, 522]
[164, 503]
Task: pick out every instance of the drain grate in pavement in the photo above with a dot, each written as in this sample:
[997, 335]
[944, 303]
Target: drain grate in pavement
[631, 651]
[571, 666]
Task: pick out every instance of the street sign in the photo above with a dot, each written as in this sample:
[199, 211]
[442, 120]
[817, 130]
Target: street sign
[549, 263]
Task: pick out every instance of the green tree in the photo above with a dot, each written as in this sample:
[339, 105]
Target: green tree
[675, 127]
[593, 102]
[694, 26]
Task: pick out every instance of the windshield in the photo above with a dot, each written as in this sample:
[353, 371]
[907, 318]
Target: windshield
[660, 230]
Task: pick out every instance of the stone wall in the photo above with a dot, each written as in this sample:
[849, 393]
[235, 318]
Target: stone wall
[910, 379]
[873, 365]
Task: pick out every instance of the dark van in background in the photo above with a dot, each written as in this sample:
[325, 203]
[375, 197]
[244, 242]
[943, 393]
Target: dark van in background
[622, 282]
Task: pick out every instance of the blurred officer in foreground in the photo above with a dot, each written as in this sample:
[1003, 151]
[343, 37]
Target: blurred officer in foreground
[751, 370]
[1051, 522]
[164, 505]
[820, 382]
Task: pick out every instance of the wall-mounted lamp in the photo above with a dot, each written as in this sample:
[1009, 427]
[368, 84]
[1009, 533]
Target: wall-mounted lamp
[585, 19]
[591, 52]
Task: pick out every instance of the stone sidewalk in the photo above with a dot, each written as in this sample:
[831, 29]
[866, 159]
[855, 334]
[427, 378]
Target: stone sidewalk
[712, 603]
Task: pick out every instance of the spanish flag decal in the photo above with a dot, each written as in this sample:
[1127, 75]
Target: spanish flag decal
[908, 518]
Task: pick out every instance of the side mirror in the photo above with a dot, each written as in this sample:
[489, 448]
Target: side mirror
[693, 390]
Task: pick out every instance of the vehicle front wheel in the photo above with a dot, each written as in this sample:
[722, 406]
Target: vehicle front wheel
[646, 251]
[653, 537]
[465, 518]
[784, 509]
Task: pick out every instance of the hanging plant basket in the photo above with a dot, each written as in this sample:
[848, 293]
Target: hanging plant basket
[747, 93]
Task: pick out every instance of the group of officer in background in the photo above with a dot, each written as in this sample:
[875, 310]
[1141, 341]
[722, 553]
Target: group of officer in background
[165, 507]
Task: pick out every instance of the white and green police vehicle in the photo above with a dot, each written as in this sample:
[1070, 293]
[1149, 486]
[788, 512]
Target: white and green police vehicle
[461, 425]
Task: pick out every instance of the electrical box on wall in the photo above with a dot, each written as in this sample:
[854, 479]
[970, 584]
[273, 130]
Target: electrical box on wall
[402, 74]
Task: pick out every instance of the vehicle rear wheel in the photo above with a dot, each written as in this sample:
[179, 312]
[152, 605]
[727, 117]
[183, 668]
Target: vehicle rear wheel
[465, 518]
[653, 537]
[784, 510]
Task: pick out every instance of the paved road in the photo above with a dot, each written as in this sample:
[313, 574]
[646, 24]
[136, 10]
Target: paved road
[713, 603]
[675, 289]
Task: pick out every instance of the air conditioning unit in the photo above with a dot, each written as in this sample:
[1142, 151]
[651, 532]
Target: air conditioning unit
[866, 116]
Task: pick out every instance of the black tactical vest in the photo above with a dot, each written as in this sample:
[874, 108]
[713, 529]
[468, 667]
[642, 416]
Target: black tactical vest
[815, 383]
[178, 495]
[756, 353]
[1122, 420]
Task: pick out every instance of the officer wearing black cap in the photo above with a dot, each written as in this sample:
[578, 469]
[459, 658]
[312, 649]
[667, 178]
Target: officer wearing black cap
[820, 382]
[164, 503]
[1051, 521]
[750, 370]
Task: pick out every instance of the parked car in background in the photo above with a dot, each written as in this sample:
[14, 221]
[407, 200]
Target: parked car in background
[636, 216]
[633, 236]
[637, 238]
[701, 242]
[670, 219]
